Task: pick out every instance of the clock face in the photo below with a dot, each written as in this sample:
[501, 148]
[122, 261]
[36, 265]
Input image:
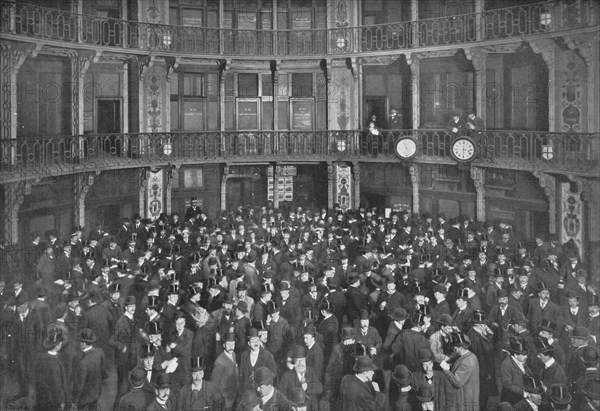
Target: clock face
[463, 149]
[406, 148]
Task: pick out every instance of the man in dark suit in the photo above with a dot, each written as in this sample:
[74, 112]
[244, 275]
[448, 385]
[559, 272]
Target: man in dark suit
[50, 379]
[163, 400]
[542, 308]
[271, 398]
[314, 356]
[512, 370]
[91, 371]
[328, 328]
[356, 301]
[302, 377]
[137, 399]
[533, 399]
[358, 391]
[252, 359]
[553, 372]
[464, 373]
[225, 374]
[200, 394]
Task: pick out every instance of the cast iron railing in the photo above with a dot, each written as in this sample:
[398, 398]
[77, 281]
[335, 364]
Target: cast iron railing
[514, 22]
[561, 152]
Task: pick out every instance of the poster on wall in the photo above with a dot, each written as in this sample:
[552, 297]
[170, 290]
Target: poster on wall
[285, 183]
[343, 186]
[571, 217]
[302, 113]
[154, 195]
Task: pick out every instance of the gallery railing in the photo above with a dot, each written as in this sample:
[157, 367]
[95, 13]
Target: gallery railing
[512, 22]
[566, 152]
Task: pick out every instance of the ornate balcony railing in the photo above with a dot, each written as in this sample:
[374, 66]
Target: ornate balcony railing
[32, 21]
[528, 150]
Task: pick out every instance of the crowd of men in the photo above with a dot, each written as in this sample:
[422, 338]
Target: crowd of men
[259, 309]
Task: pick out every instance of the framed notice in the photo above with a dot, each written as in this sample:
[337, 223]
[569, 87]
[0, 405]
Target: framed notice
[248, 114]
[301, 113]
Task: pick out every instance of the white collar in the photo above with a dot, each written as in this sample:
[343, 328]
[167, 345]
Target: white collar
[535, 407]
[267, 397]
[549, 363]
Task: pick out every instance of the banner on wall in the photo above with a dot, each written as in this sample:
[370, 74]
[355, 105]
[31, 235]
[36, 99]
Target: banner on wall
[154, 195]
[571, 216]
[343, 186]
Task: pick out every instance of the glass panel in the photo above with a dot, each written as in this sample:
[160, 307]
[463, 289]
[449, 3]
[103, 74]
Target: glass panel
[267, 115]
[302, 85]
[212, 84]
[247, 20]
[174, 16]
[192, 84]
[175, 115]
[174, 84]
[267, 85]
[193, 116]
[247, 85]
[192, 178]
[192, 17]
[283, 114]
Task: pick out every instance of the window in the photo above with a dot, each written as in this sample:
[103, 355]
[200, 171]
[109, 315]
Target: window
[193, 178]
[192, 98]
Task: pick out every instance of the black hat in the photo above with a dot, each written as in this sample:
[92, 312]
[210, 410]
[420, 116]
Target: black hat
[163, 380]
[542, 345]
[129, 300]
[402, 375]
[173, 288]
[532, 385]
[147, 350]
[445, 319]
[273, 306]
[114, 288]
[87, 335]
[364, 363]
[263, 376]
[517, 346]
[196, 364]
[298, 397]
[54, 335]
[153, 302]
[137, 376]
[547, 325]
[299, 351]
[462, 293]
[479, 317]
[425, 355]
[558, 394]
[347, 333]
[399, 314]
[425, 394]
[458, 339]
[154, 328]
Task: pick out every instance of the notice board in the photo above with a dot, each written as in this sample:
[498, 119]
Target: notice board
[301, 113]
[248, 114]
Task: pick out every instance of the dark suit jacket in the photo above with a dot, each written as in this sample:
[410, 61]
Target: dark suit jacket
[289, 380]
[91, 371]
[357, 396]
[442, 390]
[512, 380]
[265, 359]
[208, 398]
[278, 402]
[50, 382]
[135, 400]
[226, 376]
[554, 375]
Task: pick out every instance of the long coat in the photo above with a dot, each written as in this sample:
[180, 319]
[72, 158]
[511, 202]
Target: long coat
[443, 391]
[464, 377]
[226, 376]
[358, 396]
[289, 380]
[50, 382]
[265, 359]
[512, 380]
[91, 371]
[207, 398]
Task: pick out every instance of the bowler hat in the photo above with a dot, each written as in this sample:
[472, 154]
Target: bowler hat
[284, 285]
[517, 346]
[445, 319]
[532, 385]
[402, 375]
[364, 315]
[163, 380]
[54, 335]
[298, 397]
[558, 394]
[87, 335]
[425, 355]
[137, 376]
[130, 300]
[502, 293]
[518, 318]
[364, 363]
[581, 332]
[250, 400]
[590, 355]
[197, 364]
[310, 329]
[241, 286]
[425, 394]
[572, 294]
[298, 351]
[242, 306]
[547, 325]
[399, 314]
[229, 336]
[263, 376]
[252, 333]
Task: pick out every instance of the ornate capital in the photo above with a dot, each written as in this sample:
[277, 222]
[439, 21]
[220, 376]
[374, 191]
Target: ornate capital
[354, 68]
[14, 55]
[582, 44]
[145, 63]
[412, 58]
[478, 176]
[546, 48]
[413, 171]
[477, 56]
[172, 63]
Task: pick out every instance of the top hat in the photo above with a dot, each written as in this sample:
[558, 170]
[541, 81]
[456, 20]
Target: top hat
[541, 286]
[593, 300]
[364, 363]
[174, 289]
[326, 305]
[425, 355]
[402, 375]
[347, 333]
[424, 309]
[462, 293]
[532, 385]
[264, 288]
[154, 328]
[479, 317]
[147, 350]
[153, 302]
[54, 335]
[542, 345]
[517, 346]
[197, 364]
[114, 288]
[558, 394]
[592, 389]
[547, 325]
[458, 339]
[417, 319]
[273, 306]
[263, 376]
[298, 397]
[163, 380]
[87, 335]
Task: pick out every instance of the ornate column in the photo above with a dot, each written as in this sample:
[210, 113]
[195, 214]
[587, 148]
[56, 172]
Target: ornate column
[356, 176]
[224, 187]
[142, 194]
[479, 9]
[80, 63]
[275, 75]
[413, 170]
[478, 59]
[171, 173]
[14, 195]
[548, 183]
[414, 16]
[545, 47]
[81, 186]
[478, 176]
[12, 57]
[415, 78]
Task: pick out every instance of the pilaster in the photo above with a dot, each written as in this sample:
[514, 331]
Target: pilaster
[414, 62]
[276, 174]
[478, 59]
[14, 195]
[224, 187]
[478, 176]
[144, 174]
[171, 173]
[548, 183]
[82, 183]
[80, 63]
[413, 170]
[330, 184]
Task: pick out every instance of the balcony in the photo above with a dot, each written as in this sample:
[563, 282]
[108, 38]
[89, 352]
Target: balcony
[38, 157]
[64, 29]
